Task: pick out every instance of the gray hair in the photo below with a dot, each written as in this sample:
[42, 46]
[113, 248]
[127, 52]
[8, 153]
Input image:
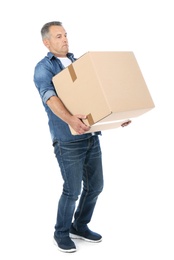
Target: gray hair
[46, 27]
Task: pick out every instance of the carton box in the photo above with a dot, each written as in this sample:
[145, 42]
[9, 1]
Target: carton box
[108, 87]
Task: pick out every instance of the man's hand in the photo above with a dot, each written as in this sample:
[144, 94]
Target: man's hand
[77, 124]
[126, 123]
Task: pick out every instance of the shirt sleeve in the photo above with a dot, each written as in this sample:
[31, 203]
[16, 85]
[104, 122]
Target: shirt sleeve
[43, 82]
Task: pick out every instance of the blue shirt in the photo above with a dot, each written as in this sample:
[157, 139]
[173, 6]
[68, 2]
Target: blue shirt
[44, 71]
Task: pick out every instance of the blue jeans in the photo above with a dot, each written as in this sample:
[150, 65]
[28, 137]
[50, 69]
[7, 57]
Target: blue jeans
[80, 163]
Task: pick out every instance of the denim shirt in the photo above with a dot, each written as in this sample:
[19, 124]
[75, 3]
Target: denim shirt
[44, 71]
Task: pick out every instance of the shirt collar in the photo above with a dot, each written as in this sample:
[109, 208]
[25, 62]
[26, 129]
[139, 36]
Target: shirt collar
[50, 55]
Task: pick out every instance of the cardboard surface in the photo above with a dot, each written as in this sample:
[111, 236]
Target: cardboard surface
[105, 86]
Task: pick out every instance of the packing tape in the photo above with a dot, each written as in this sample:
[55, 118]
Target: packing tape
[90, 119]
[72, 72]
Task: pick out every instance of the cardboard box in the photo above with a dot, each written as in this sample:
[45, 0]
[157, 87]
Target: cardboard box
[108, 87]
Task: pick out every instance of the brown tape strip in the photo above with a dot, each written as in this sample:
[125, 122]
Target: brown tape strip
[72, 72]
[90, 119]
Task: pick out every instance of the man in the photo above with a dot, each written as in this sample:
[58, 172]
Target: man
[79, 156]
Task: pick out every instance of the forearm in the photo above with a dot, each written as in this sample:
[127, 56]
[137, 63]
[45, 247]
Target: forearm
[75, 121]
[58, 108]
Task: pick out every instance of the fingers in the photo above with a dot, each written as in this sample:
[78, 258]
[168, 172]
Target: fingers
[78, 125]
[83, 128]
[126, 123]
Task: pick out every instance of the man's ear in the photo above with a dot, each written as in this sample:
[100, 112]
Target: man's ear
[46, 42]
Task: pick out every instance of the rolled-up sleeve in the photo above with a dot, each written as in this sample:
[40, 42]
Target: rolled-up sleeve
[47, 95]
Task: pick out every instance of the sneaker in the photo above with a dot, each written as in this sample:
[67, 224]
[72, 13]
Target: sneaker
[65, 244]
[87, 235]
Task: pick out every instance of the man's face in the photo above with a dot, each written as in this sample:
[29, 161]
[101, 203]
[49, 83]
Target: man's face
[57, 42]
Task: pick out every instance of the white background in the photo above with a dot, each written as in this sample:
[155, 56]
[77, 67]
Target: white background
[135, 211]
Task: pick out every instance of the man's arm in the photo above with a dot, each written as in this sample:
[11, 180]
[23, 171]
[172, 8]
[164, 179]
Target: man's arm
[75, 121]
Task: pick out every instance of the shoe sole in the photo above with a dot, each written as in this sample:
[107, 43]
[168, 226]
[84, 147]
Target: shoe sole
[67, 250]
[64, 250]
[73, 236]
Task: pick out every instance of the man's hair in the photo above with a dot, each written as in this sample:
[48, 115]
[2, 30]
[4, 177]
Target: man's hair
[46, 27]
